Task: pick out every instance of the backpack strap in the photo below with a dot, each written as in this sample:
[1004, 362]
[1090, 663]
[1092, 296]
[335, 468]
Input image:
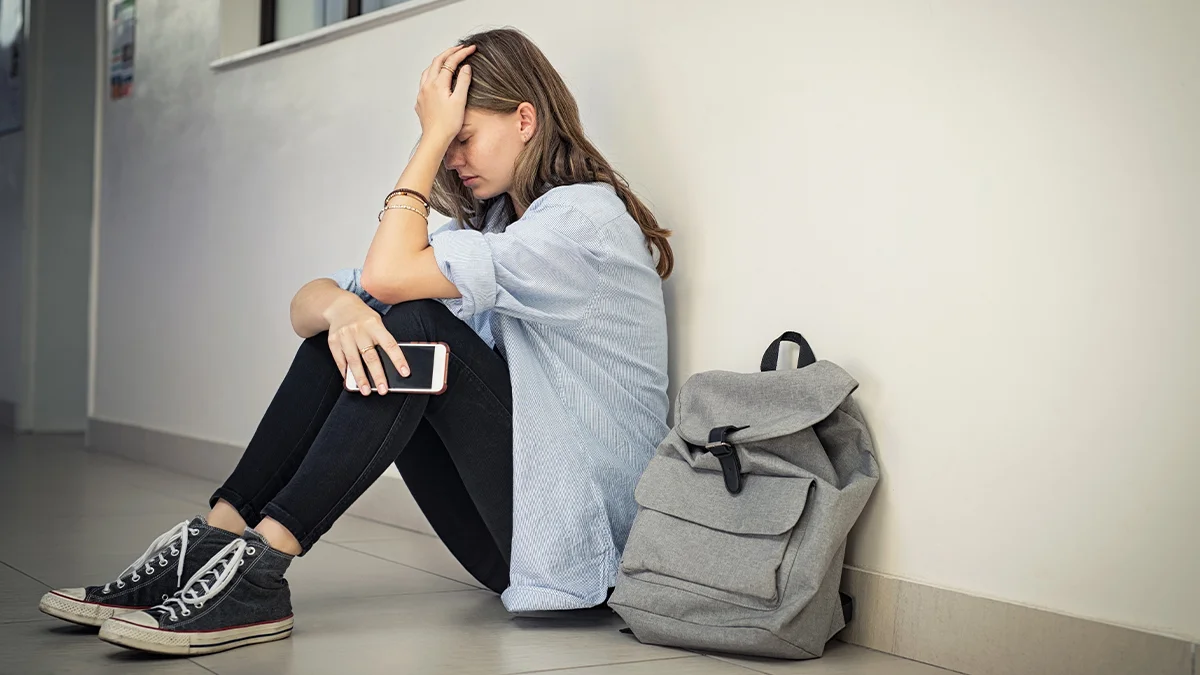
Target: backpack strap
[847, 607]
[725, 453]
[771, 357]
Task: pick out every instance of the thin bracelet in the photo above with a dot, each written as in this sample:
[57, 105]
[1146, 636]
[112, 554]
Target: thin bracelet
[406, 191]
[427, 210]
[406, 207]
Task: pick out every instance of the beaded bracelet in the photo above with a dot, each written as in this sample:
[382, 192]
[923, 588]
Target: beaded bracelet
[427, 209]
[406, 207]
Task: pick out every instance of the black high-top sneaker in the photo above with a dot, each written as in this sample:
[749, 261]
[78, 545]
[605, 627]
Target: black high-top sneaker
[237, 598]
[156, 575]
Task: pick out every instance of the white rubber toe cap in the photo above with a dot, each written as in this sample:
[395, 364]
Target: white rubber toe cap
[69, 604]
[73, 593]
[140, 619]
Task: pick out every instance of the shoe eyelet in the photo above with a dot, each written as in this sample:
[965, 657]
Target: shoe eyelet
[187, 612]
[241, 562]
[193, 531]
[149, 570]
[250, 550]
[174, 552]
[199, 605]
[135, 578]
[120, 584]
[165, 596]
[107, 591]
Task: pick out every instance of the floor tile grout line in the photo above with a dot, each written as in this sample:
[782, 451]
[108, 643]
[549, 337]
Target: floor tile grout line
[909, 658]
[723, 659]
[372, 541]
[597, 665]
[201, 665]
[405, 594]
[411, 567]
[29, 576]
[119, 459]
[47, 619]
[926, 663]
[736, 665]
[190, 477]
[405, 530]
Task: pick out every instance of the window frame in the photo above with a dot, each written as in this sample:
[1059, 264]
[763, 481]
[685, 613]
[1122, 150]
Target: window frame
[267, 18]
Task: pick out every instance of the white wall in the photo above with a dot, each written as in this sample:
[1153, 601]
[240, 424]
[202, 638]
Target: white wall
[12, 188]
[984, 210]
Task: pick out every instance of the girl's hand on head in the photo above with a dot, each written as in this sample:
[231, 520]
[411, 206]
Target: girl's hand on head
[440, 110]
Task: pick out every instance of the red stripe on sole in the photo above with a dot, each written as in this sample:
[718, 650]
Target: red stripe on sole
[194, 632]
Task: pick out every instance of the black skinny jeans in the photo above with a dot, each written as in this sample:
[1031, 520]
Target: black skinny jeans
[319, 447]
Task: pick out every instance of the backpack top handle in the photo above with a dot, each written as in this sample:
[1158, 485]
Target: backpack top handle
[770, 359]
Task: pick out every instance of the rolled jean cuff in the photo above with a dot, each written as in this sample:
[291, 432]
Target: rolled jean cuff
[244, 509]
[302, 535]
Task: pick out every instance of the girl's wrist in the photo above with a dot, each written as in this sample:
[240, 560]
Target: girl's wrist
[435, 143]
[339, 303]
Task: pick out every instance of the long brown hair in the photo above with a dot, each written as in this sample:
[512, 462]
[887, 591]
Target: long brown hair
[506, 70]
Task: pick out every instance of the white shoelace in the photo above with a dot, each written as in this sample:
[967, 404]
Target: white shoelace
[200, 589]
[180, 532]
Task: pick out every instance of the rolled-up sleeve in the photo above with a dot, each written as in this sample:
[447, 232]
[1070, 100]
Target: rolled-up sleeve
[350, 279]
[542, 268]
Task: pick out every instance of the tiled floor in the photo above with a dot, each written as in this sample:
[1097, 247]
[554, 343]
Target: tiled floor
[369, 598]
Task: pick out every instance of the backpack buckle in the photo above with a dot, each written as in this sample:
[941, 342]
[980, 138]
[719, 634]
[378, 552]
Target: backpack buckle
[726, 454]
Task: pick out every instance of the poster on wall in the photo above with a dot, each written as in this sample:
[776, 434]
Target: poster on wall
[12, 32]
[123, 16]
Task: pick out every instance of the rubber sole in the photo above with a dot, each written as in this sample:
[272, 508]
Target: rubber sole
[181, 643]
[80, 612]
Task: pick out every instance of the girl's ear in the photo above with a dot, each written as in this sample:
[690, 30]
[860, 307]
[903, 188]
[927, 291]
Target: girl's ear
[526, 120]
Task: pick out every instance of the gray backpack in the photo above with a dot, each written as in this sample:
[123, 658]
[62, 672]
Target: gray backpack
[744, 511]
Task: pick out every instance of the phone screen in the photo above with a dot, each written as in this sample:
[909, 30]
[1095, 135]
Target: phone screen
[420, 366]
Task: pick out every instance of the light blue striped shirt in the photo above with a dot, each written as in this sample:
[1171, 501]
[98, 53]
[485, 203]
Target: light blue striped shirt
[570, 296]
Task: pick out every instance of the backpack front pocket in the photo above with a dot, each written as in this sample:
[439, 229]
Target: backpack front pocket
[692, 529]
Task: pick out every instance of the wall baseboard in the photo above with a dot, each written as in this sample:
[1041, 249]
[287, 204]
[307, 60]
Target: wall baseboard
[980, 636]
[388, 501]
[8, 415]
[949, 629]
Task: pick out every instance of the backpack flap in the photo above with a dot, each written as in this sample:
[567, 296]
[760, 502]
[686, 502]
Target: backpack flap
[766, 405]
[770, 505]
[692, 529]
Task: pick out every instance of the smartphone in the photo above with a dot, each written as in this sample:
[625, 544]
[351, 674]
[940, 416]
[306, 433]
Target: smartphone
[428, 364]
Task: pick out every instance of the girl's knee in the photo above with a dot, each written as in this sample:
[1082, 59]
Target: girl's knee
[414, 316]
